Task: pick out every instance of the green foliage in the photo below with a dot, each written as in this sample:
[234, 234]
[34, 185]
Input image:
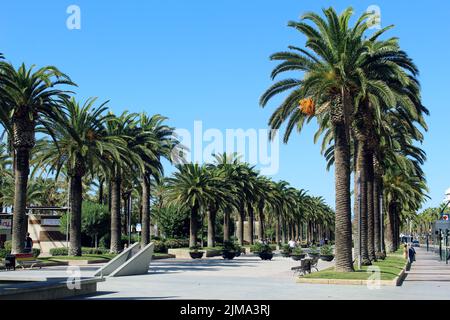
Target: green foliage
[229, 246]
[84, 250]
[261, 248]
[314, 249]
[8, 245]
[286, 249]
[326, 250]
[173, 220]
[195, 248]
[176, 243]
[160, 247]
[36, 252]
[297, 251]
[4, 253]
[59, 251]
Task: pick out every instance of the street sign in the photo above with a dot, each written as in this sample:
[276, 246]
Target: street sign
[442, 225]
[138, 227]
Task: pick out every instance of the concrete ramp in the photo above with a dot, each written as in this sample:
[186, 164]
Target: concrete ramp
[120, 259]
[132, 261]
[136, 265]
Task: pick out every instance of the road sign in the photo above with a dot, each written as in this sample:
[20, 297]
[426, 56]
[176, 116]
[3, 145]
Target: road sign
[442, 225]
[445, 217]
[138, 227]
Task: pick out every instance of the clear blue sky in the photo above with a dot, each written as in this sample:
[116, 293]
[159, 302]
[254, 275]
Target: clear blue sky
[208, 60]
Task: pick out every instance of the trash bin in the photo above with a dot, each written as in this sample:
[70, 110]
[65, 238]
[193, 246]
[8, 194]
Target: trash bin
[10, 262]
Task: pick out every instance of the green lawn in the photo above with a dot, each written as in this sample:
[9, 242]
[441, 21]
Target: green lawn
[390, 268]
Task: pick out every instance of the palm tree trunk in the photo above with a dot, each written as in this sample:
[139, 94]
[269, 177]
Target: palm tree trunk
[377, 214]
[261, 221]
[100, 191]
[240, 229]
[211, 226]
[20, 223]
[226, 225]
[145, 222]
[283, 230]
[251, 218]
[343, 226]
[363, 178]
[76, 191]
[370, 207]
[193, 226]
[277, 230]
[390, 229]
[116, 243]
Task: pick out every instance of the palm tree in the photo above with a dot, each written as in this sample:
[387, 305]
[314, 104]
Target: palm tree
[80, 145]
[29, 97]
[160, 144]
[124, 126]
[330, 82]
[229, 164]
[193, 187]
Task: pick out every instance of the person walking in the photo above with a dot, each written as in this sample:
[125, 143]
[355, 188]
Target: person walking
[28, 243]
[291, 244]
[411, 254]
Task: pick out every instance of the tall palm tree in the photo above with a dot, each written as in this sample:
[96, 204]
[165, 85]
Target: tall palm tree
[160, 144]
[330, 82]
[124, 126]
[80, 145]
[29, 96]
[193, 187]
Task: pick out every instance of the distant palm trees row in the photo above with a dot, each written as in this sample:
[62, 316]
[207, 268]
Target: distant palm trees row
[365, 96]
[236, 189]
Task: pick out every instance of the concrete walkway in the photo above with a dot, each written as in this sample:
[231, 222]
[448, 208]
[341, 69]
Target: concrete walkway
[247, 277]
[428, 268]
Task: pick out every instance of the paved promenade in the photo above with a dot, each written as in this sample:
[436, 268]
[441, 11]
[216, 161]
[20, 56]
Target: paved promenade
[247, 277]
[428, 268]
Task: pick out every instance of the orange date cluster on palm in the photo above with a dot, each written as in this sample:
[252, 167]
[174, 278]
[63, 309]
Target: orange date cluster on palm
[307, 106]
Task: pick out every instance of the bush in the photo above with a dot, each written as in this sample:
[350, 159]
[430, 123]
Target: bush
[86, 250]
[261, 248]
[8, 245]
[59, 251]
[326, 250]
[297, 251]
[176, 243]
[4, 253]
[36, 252]
[160, 247]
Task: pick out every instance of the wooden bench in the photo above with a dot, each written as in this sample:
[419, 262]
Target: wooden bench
[26, 260]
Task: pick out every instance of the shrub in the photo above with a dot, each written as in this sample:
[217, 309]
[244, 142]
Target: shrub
[8, 245]
[160, 247]
[326, 250]
[59, 251]
[195, 248]
[176, 243]
[297, 251]
[36, 252]
[86, 250]
[314, 249]
[4, 253]
[261, 248]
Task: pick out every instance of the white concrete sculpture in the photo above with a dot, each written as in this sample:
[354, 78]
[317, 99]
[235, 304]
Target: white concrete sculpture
[133, 261]
[137, 264]
[120, 259]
